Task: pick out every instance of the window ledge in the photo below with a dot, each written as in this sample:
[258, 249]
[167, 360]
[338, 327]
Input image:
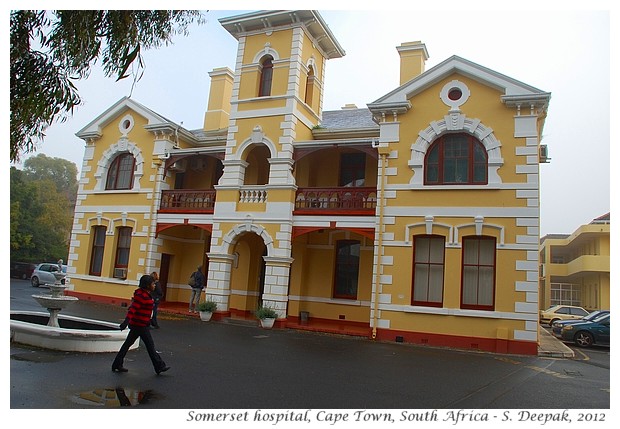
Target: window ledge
[492, 186]
[116, 191]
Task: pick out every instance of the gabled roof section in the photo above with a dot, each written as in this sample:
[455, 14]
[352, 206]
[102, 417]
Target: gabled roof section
[156, 122]
[241, 25]
[93, 129]
[515, 92]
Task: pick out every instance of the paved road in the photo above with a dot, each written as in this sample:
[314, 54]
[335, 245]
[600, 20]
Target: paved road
[222, 366]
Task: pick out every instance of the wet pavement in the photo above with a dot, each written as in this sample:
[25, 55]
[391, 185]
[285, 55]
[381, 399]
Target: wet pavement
[218, 365]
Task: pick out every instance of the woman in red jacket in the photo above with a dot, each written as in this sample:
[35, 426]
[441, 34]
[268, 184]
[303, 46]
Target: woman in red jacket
[139, 320]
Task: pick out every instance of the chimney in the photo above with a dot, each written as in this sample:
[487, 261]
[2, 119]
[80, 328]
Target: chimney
[413, 56]
[218, 109]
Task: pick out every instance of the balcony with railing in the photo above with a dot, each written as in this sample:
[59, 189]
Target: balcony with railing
[187, 201]
[336, 200]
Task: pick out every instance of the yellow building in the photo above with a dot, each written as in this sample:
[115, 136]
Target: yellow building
[574, 269]
[416, 217]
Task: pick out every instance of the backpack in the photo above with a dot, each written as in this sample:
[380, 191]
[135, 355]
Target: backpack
[192, 280]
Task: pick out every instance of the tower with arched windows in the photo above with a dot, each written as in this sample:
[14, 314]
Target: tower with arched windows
[277, 95]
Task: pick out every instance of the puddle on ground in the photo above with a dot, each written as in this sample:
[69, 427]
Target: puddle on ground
[38, 357]
[114, 398]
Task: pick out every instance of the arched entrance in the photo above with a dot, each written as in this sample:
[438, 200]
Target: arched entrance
[247, 277]
[245, 269]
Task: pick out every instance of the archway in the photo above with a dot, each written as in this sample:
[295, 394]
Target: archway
[247, 277]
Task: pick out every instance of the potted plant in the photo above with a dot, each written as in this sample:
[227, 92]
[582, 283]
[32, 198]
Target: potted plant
[267, 316]
[206, 309]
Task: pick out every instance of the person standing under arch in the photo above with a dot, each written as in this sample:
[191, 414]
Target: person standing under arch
[197, 283]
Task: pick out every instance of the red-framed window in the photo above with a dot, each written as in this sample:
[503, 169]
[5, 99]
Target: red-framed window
[428, 270]
[347, 269]
[266, 76]
[478, 273]
[120, 172]
[123, 244]
[352, 169]
[456, 159]
[96, 254]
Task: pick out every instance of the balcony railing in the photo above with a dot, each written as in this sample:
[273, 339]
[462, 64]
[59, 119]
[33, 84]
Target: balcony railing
[253, 194]
[318, 201]
[187, 200]
[361, 201]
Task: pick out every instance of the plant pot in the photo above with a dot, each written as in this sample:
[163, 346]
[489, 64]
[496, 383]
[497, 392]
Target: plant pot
[267, 322]
[205, 316]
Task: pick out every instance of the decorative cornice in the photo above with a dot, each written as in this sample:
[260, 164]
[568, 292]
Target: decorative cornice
[268, 20]
[381, 110]
[540, 101]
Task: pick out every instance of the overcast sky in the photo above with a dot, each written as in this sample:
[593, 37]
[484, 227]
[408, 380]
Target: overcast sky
[562, 51]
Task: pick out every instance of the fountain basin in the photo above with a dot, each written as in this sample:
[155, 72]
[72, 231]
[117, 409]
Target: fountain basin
[47, 301]
[74, 334]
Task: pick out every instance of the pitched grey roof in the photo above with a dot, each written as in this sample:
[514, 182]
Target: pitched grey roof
[347, 119]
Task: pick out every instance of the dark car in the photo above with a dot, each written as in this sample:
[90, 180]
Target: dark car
[557, 326]
[585, 334]
[22, 270]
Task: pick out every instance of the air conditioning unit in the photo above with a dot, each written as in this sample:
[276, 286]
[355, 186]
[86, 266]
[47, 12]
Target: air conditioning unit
[120, 273]
[543, 155]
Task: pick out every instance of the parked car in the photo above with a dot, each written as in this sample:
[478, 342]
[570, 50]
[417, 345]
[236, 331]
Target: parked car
[22, 270]
[43, 274]
[585, 334]
[557, 326]
[562, 312]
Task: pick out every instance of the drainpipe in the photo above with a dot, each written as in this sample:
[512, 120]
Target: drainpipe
[383, 152]
[159, 177]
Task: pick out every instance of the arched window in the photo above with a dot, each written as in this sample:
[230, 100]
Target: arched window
[257, 171]
[120, 172]
[309, 87]
[266, 76]
[456, 159]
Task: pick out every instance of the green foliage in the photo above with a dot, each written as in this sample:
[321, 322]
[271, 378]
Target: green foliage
[50, 50]
[207, 305]
[60, 171]
[266, 313]
[41, 211]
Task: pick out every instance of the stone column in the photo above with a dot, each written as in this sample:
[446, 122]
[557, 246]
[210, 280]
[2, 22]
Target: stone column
[218, 279]
[277, 272]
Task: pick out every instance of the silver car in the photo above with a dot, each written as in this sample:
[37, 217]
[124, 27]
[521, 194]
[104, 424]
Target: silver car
[43, 274]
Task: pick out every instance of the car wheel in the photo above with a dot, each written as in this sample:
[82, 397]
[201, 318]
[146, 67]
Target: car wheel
[552, 321]
[24, 276]
[584, 339]
[34, 281]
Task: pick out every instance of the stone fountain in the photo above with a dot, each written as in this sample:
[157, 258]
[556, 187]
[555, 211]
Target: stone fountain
[66, 333]
[57, 301]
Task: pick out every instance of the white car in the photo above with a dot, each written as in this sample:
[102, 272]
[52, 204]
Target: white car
[43, 274]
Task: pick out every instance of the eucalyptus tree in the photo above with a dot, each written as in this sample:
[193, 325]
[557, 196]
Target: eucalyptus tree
[50, 50]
